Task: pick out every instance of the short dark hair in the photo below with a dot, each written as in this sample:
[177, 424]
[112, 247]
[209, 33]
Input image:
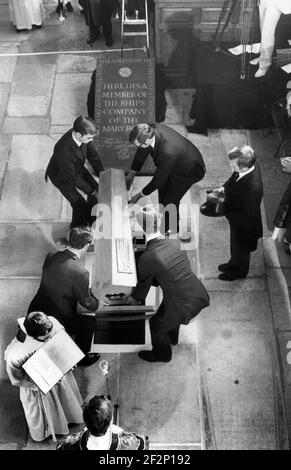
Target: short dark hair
[84, 125]
[37, 324]
[141, 133]
[245, 156]
[97, 415]
[79, 237]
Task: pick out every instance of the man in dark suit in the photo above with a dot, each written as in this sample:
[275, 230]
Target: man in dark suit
[67, 171]
[179, 165]
[164, 264]
[243, 196]
[64, 284]
[98, 13]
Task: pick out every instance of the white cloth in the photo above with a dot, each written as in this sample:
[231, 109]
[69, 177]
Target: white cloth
[103, 442]
[25, 13]
[283, 5]
[62, 404]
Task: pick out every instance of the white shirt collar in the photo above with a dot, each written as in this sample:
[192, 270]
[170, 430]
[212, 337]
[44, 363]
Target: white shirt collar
[74, 251]
[152, 236]
[153, 141]
[99, 443]
[76, 141]
[244, 173]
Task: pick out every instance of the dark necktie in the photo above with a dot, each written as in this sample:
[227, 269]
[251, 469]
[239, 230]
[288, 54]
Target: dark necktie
[235, 175]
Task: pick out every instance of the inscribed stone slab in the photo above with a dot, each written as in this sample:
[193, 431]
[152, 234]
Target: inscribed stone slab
[124, 97]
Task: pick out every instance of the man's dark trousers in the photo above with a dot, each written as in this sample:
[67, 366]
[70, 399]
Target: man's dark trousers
[240, 255]
[81, 207]
[171, 192]
[161, 336]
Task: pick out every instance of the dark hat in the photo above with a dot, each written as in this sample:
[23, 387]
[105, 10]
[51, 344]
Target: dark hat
[214, 205]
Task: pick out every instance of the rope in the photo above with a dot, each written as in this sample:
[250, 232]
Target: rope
[97, 51]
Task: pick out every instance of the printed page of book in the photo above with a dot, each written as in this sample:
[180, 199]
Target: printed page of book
[63, 351]
[42, 370]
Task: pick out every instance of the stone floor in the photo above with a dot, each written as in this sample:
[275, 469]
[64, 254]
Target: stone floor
[229, 387]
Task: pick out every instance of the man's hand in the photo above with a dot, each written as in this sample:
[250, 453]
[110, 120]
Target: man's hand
[135, 198]
[130, 300]
[129, 177]
[286, 164]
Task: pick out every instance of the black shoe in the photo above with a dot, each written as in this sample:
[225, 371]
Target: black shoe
[89, 359]
[59, 8]
[230, 276]
[224, 267]
[69, 7]
[287, 251]
[109, 41]
[149, 356]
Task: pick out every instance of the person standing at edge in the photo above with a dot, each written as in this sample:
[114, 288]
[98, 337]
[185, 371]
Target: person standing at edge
[64, 284]
[184, 296]
[98, 13]
[67, 172]
[243, 196]
[63, 402]
[179, 165]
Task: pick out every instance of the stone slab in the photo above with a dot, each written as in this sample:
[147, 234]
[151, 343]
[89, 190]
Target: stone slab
[5, 145]
[214, 153]
[69, 98]
[17, 240]
[4, 97]
[8, 34]
[214, 248]
[76, 63]
[25, 189]
[155, 407]
[8, 64]
[32, 87]
[241, 397]
[236, 306]
[240, 285]
[26, 125]
[4, 13]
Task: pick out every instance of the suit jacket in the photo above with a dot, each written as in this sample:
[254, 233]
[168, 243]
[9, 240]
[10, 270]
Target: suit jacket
[68, 160]
[243, 207]
[164, 264]
[64, 283]
[173, 153]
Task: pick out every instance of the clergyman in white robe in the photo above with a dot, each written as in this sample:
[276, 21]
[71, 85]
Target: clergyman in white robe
[25, 13]
[62, 403]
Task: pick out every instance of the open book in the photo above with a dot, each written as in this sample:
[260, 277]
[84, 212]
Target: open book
[52, 361]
